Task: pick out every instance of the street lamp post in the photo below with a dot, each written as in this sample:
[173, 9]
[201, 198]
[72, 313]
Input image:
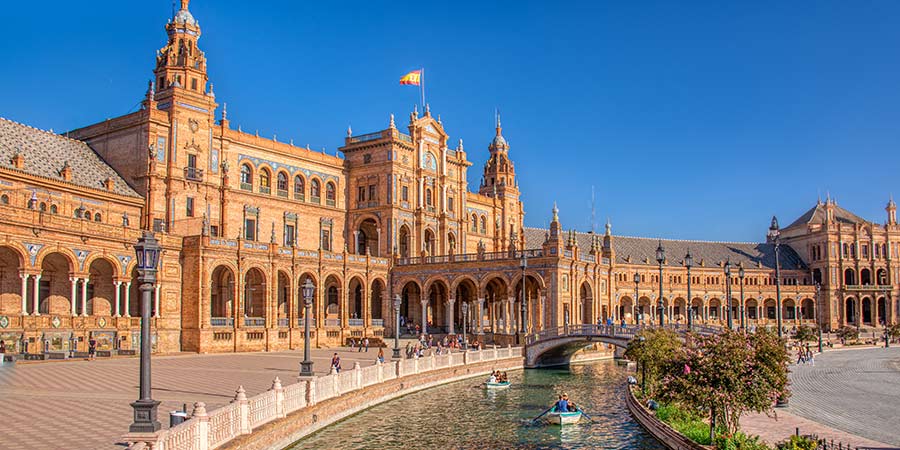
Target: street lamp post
[147, 252]
[818, 316]
[661, 258]
[774, 236]
[465, 311]
[524, 311]
[643, 369]
[397, 302]
[306, 366]
[741, 278]
[637, 279]
[688, 262]
[728, 293]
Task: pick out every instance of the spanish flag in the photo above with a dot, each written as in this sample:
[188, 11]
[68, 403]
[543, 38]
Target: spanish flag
[412, 78]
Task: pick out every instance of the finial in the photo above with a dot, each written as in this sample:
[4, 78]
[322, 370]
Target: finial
[184, 4]
[224, 111]
[349, 131]
[439, 119]
[460, 146]
[608, 227]
[555, 213]
[151, 89]
[427, 109]
[392, 121]
[497, 113]
[211, 89]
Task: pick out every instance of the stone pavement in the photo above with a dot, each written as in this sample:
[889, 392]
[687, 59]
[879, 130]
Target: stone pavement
[849, 395]
[86, 404]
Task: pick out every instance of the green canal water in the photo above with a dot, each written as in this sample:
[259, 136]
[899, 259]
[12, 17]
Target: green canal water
[463, 415]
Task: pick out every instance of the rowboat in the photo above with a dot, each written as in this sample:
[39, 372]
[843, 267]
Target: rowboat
[564, 418]
[497, 385]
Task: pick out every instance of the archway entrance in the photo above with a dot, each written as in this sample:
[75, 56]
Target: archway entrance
[221, 304]
[367, 238]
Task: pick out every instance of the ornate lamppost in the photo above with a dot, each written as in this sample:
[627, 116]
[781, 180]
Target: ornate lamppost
[688, 262]
[465, 311]
[637, 279]
[774, 236]
[661, 258]
[306, 367]
[741, 278]
[397, 303]
[728, 293]
[147, 251]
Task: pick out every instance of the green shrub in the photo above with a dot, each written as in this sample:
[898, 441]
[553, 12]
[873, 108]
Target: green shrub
[798, 443]
[685, 422]
[740, 441]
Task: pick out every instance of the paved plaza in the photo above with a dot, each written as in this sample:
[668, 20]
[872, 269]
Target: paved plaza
[855, 391]
[86, 404]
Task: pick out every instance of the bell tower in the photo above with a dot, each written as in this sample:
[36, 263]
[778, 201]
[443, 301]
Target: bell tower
[499, 171]
[180, 65]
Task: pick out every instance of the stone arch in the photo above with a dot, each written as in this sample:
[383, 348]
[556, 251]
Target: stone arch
[116, 266]
[586, 299]
[55, 286]
[881, 311]
[865, 276]
[70, 257]
[12, 263]
[465, 291]
[770, 309]
[367, 239]
[454, 284]
[282, 182]
[495, 293]
[221, 297]
[849, 276]
[697, 309]
[789, 309]
[377, 300]
[807, 309]
[850, 313]
[404, 241]
[410, 305]
[490, 278]
[254, 293]
[438, 294]
[282, 297]
[429, 243]
[679, 310]
[626, 308]
[645, 309]
[866, 310]
[715, 309]
[101, 290]
[356, 297]
[451, 243]
[533, 275]
[751, 309]
[333, 288]
[881, 277]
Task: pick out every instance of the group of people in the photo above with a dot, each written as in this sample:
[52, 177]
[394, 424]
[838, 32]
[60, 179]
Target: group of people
[805, 355]
[363, 343]
[498, 377]
[563, 404]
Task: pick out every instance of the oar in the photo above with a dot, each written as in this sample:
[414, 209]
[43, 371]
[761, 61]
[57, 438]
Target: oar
[542, 414]
[586, 415]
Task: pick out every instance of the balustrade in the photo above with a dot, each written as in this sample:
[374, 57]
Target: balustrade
[254, 321]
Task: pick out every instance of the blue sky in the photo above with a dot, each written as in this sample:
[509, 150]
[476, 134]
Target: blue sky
[691, 120]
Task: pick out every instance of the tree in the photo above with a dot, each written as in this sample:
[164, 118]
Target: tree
[805, 333]
[727, 375]
[848, 333]
[893, 330]
[658, 348]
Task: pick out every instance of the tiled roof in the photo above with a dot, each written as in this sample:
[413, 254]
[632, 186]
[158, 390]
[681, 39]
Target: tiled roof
[46, 154]
[711, 254]
[816, 215]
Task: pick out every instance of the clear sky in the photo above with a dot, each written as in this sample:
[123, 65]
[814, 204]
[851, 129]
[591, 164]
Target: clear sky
[691, 120]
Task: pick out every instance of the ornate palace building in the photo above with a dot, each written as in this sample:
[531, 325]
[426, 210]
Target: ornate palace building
[245, 221]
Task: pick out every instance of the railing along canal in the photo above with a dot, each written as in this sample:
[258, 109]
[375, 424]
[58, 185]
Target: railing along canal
[205, 431]
[611, 331]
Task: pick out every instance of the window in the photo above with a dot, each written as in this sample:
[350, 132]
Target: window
[289, 233]
[326, 240]
[865, 251]
[299, 188]
[193, 84]
[474, 223]
[54, 209]
[315, 190]
[189, 207]
[250, 229]
[43, 207]
[4, 199]
[877, 251]
[428, 197]
[450, 204]
[483, 225]
[361, 196]
[246, 177]
[404, 193]
[265, 181]
[97, 217]
[367, 158]
[282, 184]
[329, 194]
[372, 192]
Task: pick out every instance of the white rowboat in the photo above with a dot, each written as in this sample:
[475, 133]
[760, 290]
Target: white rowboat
[497, 385]
[564, 418]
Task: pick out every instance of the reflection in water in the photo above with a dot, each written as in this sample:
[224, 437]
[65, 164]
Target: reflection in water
[463, 415]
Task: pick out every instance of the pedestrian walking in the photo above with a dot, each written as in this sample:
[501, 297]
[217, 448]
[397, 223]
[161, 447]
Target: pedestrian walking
[801, 356]
[2, 352]
[366, 343]
[352, 343]
[92, 349]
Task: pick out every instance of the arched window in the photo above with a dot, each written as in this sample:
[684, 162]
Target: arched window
[483, 225]
[87, 215]
[315, 190]
[474, 223]
[43, 207]
[246, 177]
[329, 194]
[4, 199]
[265, 181]
[97, 217]
[54, 209]
[299, 188]
[282, 184]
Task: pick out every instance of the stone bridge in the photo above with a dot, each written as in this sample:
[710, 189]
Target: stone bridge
[557, 345]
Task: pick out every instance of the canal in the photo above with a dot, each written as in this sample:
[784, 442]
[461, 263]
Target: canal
[462, 415]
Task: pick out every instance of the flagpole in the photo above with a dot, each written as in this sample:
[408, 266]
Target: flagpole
[423, 89]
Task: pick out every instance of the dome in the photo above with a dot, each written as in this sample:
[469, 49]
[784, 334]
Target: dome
[184, 16]
[499, 142]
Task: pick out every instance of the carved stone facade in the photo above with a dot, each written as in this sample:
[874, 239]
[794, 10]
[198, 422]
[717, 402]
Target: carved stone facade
[246, 220]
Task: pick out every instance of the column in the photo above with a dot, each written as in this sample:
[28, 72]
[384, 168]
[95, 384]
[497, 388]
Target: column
[479, 324]
[127, 299]
[424, 304]
[356, 243]
[37, 292]
[156, 301]
[450, 319]
[74, 295]
[510, 313]
[118, 285]
[24, 277]
[539, 320]
[84, 286]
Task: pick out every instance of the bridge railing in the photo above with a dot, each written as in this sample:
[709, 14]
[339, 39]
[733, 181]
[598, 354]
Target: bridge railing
[611, 331]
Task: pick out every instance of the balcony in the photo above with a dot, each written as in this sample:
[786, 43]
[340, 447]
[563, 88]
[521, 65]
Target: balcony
[867, 287]
[265, 190]
[284, 322]
[254, 321]
[377, 322]
[332, 322]
[193, 174]
[222, 322]
[356, 322]
[301, 321]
